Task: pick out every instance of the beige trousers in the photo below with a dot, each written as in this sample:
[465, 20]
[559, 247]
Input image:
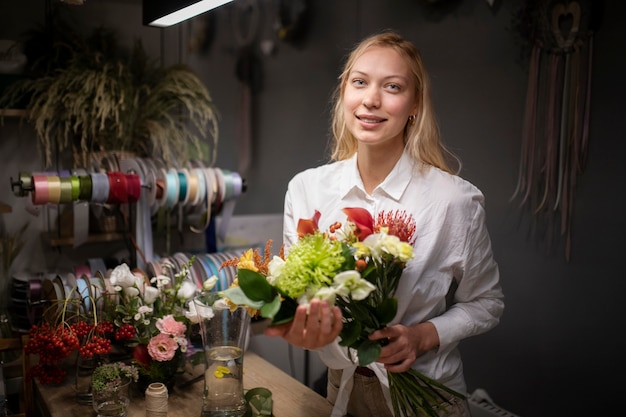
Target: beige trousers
[367, 399]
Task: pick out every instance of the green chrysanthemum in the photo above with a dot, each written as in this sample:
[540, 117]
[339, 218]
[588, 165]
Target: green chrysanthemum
[311, 263]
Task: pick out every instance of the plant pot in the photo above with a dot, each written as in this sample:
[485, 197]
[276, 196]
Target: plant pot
[113, 401]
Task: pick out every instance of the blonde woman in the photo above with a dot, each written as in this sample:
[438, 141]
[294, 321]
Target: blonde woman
[388, 155]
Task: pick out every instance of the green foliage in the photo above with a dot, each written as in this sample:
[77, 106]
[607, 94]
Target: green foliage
[256, 286]
[111, 375]
[101, 98]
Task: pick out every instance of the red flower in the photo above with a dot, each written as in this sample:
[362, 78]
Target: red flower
[363, 221]
[141, 355]
[399, 224]
[308, 226]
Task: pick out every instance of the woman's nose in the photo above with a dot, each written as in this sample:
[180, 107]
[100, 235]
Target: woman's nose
[371, 98]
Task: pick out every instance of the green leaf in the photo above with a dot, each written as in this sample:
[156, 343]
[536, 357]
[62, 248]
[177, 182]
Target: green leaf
[387, 310]
[370, 273]
[237, 296]
[350, 333]
[368, 352]
[255, 286]
[269, 310]
[349, 262]
[287, 311]
[259, 402]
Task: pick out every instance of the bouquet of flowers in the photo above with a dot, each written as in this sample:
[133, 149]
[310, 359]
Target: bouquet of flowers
[149, 316]
[153, 317]
[356, 266]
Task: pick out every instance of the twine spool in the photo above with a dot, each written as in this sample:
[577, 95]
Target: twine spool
[156, 400]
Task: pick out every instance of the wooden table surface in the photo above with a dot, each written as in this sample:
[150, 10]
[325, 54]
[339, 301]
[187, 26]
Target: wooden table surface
[290, 397]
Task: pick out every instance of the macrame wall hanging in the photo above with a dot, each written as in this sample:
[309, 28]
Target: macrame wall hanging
[555, 138]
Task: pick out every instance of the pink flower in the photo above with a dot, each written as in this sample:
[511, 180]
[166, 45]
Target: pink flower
[162, 347]
[170, 326]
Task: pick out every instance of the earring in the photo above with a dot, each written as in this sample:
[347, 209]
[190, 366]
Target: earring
[411, 119]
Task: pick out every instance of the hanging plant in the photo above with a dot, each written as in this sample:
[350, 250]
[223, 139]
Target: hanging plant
[102, 98]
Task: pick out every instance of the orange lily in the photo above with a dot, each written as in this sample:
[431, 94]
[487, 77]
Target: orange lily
[363, 221]
[309, 226]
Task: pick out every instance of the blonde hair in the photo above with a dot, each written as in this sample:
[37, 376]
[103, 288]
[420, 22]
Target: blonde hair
[421, 135]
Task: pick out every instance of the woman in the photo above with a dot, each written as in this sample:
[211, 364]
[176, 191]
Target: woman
[387, 156]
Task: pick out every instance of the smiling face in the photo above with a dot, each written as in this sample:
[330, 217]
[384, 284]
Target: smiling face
[378, 97]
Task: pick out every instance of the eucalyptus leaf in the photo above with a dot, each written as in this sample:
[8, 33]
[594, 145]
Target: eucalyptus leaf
[255, 286]
[269, 310]
[237, 296]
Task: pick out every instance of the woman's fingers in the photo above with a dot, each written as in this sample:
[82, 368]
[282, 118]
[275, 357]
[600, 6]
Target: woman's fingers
[312, 327]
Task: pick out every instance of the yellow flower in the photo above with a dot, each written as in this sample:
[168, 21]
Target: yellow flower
[221, 371]
[247, 261]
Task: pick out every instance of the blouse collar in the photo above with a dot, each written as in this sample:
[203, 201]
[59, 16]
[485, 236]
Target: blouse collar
[393, 185]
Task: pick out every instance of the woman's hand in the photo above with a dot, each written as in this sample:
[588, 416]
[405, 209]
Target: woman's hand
[312, 330]
[406, 344]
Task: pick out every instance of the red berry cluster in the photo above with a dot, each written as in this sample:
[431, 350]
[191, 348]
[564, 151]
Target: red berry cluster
[125, 332]
[81, 328]
[55, 343]
[104, 327]
[52, 344]
[95, 346]
[47, 373]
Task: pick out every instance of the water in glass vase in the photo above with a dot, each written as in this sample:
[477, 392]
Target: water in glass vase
[223, 383]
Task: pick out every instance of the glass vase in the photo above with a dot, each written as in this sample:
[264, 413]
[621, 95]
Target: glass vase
[224, 334]
[113, 401]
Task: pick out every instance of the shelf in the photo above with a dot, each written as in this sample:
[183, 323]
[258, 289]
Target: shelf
[13, 113]
[58, 241]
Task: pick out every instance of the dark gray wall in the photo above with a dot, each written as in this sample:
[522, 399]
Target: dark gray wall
[559, 348]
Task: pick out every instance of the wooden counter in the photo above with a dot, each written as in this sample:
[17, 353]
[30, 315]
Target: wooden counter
[290, 397]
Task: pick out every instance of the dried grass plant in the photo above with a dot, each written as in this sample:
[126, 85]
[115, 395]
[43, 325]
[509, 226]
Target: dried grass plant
[103, 100]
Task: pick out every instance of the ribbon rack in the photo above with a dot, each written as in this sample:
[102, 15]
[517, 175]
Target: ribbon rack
[143, 189]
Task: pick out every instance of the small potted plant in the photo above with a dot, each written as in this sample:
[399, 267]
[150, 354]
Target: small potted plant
[109, 384]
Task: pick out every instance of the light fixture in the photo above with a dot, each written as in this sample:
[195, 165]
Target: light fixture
[163, 13]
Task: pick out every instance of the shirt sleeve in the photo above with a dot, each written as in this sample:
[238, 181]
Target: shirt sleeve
[478, 302]
[290, 227]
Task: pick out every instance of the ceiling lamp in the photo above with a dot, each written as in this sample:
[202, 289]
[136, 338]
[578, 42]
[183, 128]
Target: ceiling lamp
[163, 13]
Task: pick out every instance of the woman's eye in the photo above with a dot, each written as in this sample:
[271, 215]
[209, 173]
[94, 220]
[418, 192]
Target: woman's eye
[358, 82]
[394, 87]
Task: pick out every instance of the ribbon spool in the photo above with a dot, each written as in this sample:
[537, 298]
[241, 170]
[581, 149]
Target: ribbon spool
[156, 400]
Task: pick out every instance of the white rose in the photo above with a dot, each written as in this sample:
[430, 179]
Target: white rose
[204, 311]
[140, 283]
[209, 283]
[122, 276]
[187, 290]
[130, 292]
[192, 313]
[150, 294]
[275, 268]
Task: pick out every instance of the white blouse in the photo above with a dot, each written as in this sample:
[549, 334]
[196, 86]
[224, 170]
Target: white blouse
[452, 250]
